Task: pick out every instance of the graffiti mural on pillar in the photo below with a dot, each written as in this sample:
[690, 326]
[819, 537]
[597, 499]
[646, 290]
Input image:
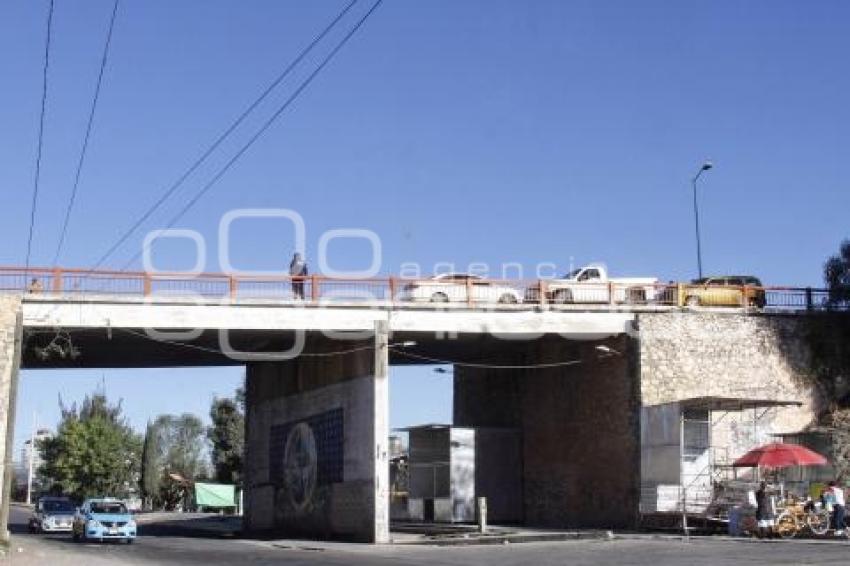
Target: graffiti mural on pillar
[299, 465]
[306, 457]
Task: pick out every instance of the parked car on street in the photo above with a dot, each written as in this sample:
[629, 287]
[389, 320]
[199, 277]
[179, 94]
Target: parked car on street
[725, 291]
[52, 515]
[104, 519]
[591, 284]
[454, 288]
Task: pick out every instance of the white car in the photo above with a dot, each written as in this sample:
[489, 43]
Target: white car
[591, 284]
[453, 288]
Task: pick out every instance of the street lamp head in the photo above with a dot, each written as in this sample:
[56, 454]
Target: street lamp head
[707, 165]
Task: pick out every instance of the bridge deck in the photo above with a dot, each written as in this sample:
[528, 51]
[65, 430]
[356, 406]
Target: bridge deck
[399, 293]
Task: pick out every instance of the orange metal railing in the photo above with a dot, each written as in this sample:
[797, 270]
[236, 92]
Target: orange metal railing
[475, 293]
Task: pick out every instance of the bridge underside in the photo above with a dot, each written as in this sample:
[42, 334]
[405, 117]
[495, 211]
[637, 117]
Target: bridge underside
[317, 439]
[139, 348]
[317, 424]
[170, 333]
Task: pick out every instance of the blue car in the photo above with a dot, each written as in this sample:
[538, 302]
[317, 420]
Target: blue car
[104, 519]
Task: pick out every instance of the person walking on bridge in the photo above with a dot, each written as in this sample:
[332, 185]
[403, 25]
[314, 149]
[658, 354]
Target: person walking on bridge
[35, 287]
[298, 271]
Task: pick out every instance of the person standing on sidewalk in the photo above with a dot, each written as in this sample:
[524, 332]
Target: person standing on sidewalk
[764, 511]
[838, 507]
[298, 271]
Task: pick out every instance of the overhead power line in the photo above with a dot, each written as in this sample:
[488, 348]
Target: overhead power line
[220, 139]
[194, 200]
[396, 348]
[45, 68]
[88, 133]
[420, 357]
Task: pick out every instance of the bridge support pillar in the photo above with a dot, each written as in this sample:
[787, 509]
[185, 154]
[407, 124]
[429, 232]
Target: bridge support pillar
[579, 423]
[11, 331]
[316, 450]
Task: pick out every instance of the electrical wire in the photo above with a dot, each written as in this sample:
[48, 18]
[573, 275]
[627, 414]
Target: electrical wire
[398, 349]
[292, 98]
[45, 69]
[220, 139]
[483, 366]
[88, 133]
[218, 351]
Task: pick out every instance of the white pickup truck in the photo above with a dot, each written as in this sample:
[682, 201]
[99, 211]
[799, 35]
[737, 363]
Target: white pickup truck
[591, 284]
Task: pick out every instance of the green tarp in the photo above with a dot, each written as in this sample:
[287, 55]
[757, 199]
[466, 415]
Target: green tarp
[215, 495]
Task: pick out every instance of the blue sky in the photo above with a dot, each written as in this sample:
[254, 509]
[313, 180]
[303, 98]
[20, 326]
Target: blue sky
[471, 131]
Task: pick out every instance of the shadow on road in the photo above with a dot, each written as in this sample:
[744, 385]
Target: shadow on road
[18, 528]
[203, 527]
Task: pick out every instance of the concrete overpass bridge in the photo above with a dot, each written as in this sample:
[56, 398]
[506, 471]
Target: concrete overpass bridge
[572, 379]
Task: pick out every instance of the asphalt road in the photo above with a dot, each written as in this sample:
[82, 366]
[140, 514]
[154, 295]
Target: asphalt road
[165, 548]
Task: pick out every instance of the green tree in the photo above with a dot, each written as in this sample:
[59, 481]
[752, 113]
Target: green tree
[178, 452]
[836, 272]
[94, 453]
[182, 443]
[227, 435]
[151, 470]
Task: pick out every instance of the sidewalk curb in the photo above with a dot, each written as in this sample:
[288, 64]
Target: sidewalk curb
[721, 538]
[476, 539]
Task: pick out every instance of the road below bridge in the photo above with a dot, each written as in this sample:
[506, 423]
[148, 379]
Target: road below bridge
[179, 547]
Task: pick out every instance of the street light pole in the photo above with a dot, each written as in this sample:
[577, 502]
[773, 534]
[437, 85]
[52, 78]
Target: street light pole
[705, 167]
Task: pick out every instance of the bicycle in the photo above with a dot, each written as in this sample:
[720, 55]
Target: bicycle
[795, 518]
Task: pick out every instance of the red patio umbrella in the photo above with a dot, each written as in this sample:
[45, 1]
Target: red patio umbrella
[779, 455]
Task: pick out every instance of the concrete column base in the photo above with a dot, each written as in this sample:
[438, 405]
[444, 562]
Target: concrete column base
[316, 443]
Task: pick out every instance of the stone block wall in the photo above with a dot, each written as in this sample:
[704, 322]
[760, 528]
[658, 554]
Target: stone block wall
[760, 356]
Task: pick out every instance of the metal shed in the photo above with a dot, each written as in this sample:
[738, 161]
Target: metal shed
[683, 462]
[451, 466]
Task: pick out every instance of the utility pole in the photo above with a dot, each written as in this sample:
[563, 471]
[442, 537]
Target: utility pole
[32, 457]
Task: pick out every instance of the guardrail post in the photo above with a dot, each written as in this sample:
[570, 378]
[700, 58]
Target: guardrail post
[57, 279]
[543, 290]
[810, 303]
[469, 292]
[233, 286]
[744, 294]
[611, 299]
[314, 288]
[680, 295]
[147, 285]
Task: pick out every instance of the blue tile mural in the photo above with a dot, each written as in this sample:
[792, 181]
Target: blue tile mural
[306, 455]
